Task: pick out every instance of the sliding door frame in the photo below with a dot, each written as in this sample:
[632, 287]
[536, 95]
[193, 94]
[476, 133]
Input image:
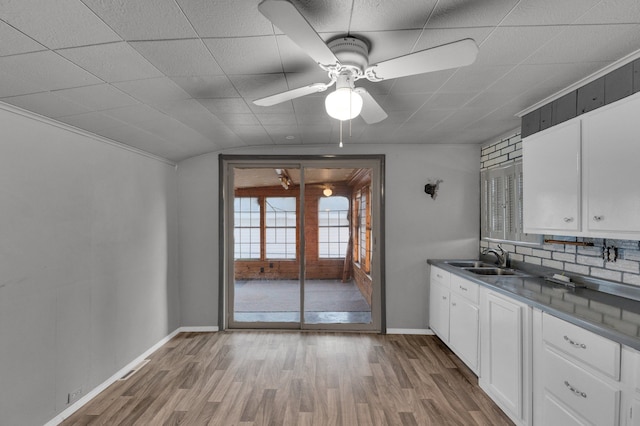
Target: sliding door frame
[227, 163]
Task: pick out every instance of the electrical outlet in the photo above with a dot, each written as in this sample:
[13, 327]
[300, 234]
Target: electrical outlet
[74, 396]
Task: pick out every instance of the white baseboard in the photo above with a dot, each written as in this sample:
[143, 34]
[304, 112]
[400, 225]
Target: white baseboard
[421, 331]
[95, 391]
[200, 329]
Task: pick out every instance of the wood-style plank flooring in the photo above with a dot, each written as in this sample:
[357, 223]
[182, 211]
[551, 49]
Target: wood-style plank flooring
[296, 378]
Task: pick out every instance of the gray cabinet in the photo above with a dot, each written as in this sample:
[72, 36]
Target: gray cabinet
[618, 84]
[591, 96]
[564, 108]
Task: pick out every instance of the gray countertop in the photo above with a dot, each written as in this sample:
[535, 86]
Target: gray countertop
[609, 315]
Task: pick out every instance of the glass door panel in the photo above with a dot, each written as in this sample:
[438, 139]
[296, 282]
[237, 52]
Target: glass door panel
[336, 289]
[266, 264]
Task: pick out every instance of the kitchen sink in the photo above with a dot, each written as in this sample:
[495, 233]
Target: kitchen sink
[492, 271]
[469, 264]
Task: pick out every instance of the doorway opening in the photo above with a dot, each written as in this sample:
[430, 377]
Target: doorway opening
[301, 242]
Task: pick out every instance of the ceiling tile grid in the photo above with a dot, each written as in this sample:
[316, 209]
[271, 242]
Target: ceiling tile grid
[178, 78]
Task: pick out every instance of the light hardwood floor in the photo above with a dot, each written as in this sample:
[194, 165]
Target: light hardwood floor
[296, 378]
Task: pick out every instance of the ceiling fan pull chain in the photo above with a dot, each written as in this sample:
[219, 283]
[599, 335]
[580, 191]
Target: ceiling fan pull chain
[340, 145]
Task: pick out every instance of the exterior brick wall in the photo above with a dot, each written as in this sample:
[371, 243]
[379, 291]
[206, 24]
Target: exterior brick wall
[588, 260]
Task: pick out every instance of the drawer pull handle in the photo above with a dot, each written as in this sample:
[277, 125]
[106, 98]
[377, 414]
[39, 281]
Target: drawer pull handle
[572, 343]
[453, 303]
[438, 275]
[574, 390]
[568, 219]
[444, 297]
[598, 218]
[463, 288]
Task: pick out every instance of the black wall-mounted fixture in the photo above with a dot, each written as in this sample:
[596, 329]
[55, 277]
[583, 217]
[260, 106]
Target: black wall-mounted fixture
[432, 188]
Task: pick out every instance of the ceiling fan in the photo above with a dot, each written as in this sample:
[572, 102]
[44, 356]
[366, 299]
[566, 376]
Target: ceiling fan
[346, 60]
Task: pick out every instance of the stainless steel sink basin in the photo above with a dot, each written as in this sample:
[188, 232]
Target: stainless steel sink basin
[492, 271]
[469, 264]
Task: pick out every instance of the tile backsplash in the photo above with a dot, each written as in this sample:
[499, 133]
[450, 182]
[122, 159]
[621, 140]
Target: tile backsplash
[584, 260]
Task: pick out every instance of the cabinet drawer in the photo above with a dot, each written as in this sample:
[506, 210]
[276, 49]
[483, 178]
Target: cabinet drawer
[579, 390]
[596, 351]
[440, 276]
[465, 288]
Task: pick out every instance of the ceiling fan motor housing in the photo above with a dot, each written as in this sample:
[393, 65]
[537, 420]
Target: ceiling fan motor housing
[351, 52]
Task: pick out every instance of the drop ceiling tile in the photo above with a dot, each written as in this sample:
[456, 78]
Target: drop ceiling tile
[98, 97]
[588, 43]
[547, 12]
[280, 133]
[253, 135]
[253, 87]
[180, 135]
[325, 16]
[246, 55]
[112, 62]
[226, 105]
[14, 42]
[92, 121]
[443, 100]
[207, 86]
[234, 120]
[611, 12]
[143, 20]
[421, 83]
[44, 70]
[474, 79]
[176, 58]
[226, 18]
[57, 24]
[310, 105]
[135, 114]
[13, 85]
[192, 114]
[371, 15]
[463, 13]
[154, 90]
[511, 45]
[49, 104]
[404, 102]
[277, 119]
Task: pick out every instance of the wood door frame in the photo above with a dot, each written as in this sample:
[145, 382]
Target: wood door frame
[228, 162]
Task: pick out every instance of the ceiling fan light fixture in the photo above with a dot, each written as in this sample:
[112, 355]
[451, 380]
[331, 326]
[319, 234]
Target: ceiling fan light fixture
[343, 104]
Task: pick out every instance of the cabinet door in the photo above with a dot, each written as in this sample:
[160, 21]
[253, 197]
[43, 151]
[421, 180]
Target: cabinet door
[551, 169]
[439, 310]
[554, 413]
[502, 351]
[611, 151]
[463, 330]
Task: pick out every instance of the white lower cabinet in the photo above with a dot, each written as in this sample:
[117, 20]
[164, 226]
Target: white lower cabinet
[575, 382]
[505, 361]
[454, 314]
[439, 303]
[463, 329]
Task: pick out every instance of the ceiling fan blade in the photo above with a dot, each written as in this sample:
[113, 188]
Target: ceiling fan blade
[285, 16]
[371, 112]
[452, 55]
[292, 94]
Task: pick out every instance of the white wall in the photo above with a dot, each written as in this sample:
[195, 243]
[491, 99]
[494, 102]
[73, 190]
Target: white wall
[88, 263]
[417, 227]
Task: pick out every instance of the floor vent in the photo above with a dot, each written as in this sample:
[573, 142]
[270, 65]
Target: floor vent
[134, 370]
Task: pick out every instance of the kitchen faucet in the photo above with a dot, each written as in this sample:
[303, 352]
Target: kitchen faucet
[502, 257]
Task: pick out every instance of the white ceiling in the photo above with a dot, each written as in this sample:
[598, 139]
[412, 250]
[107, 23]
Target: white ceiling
[176, 77]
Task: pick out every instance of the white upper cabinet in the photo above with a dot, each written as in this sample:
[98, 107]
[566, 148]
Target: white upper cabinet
[551, 169]
[582, 177]
[611, 161]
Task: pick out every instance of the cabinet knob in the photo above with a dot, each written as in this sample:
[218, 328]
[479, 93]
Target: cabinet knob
[568, 219]
[598, 218]
[444, 297]
[453, 303]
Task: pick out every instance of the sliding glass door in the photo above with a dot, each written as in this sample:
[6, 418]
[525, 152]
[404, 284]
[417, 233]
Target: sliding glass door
[299, 244]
